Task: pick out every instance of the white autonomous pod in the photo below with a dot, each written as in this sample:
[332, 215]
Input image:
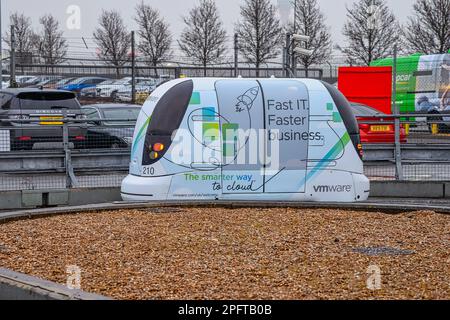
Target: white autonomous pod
[246, 139]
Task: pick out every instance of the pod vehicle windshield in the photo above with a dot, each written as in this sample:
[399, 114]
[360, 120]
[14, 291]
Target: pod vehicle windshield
[246, 139]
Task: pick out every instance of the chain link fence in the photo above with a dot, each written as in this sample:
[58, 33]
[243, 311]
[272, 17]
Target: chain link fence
[93, 150]
[125, 84]
[62, 152]
[424, 150]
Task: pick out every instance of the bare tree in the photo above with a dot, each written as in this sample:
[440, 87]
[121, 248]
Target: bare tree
[259, 32]
[156, 38]
[50, 42]
[113, 39]
[204, 36]
[428, 30]
[371, 31]
[24, 36]
[310, 22]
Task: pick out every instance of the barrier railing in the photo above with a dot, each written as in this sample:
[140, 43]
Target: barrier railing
[417, 149]
[61, 152]
[57, 153]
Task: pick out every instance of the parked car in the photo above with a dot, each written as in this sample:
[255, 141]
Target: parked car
[23, 79]
[58, 83]
[5, 81]
[110, 90]
[42, 111]
[378, 132]
[163, 79]
[35, 81]
[47, 83]
[82, 83]
[125, 94]
[104, 131]
[93, 92]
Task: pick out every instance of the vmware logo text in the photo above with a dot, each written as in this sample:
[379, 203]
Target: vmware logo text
[331, 189]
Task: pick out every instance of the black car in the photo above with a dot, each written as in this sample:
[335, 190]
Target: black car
[110, 125]
[32, 118]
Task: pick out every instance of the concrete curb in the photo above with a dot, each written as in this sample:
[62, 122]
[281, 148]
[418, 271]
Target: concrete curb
[409, 189]
[17, 200]
[17, 286]
[390, 205]
[14, 200]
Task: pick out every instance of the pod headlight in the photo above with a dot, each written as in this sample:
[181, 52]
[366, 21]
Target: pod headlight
[154, 155]
[158, 147]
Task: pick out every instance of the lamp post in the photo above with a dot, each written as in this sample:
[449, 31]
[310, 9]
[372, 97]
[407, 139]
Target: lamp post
[290, 52]
[294, 58]
[133, 68]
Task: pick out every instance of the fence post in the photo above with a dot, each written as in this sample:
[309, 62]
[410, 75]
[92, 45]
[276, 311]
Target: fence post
[294, 56]
[71, 180]
[177, 72]
[331, 69]
[133, 69]
[285, 59]
[12, 60]
[287, 64]
[293, 63]
[398, 147]
[236, 55]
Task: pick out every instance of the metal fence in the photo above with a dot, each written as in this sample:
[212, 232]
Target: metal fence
[126, 84]
[412, 144]
[421, 151]
[71, 153]
[63, 153]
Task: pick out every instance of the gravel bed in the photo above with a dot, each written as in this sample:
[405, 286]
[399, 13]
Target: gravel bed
[217, 253]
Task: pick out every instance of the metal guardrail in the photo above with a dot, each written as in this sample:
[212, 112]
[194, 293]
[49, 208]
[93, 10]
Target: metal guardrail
[96, 161]
[63, 152]
[418, 147]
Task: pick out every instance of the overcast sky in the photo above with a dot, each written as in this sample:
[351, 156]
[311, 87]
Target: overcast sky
[172, 10]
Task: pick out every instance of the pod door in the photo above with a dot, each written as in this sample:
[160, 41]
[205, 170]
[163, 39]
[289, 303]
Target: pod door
[286, 113]
[242, 133]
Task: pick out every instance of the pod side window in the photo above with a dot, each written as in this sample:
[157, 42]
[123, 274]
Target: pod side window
[166, 118]
[349, 119]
